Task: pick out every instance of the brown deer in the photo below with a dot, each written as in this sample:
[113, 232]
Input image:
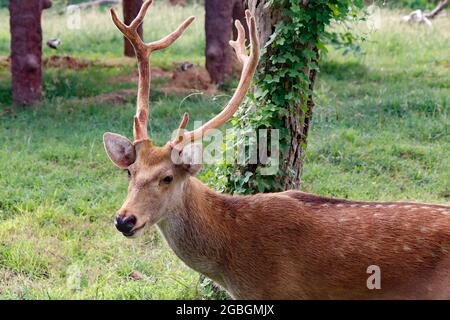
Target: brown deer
[288, 245]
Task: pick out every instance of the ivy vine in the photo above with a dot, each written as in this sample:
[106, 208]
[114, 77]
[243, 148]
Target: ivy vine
[284, 82]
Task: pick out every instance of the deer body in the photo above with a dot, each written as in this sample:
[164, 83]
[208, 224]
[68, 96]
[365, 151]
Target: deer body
[289, 245]
[294, 245]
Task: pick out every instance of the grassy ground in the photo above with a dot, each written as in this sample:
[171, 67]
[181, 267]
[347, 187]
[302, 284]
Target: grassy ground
[381, 131]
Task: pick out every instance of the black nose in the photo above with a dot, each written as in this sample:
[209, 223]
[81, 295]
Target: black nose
[126, 224]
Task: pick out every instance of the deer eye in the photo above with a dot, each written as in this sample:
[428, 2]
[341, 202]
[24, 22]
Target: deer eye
[167, 179]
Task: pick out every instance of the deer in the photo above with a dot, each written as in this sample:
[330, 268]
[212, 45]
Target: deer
[286, 245]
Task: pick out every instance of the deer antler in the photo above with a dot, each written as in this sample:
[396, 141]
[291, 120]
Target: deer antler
[249, 62]
[143, 51]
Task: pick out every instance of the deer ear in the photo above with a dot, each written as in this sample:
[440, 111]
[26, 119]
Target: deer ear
[119, 149]
[190, 158]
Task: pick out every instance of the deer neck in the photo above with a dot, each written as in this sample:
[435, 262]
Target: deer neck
[192, 228]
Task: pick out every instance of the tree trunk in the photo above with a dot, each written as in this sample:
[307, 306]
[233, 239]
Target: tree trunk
[298, 123]
[130, 10]
[219, 16]
[26, 50]
[298, 118]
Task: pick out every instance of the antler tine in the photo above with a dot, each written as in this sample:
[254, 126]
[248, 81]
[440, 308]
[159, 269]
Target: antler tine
[119, 24]
[254, 53]
[239, 44]
[131, 31]
[143, 51]
[134, 25]
[181, 128]
[169, 39]
[249, 62]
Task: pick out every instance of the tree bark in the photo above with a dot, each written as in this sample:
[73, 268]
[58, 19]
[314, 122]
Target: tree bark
[298, 123]
[26, 50]
[219, 16]
[130, 10]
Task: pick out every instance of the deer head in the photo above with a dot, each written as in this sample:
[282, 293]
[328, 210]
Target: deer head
[157, 175]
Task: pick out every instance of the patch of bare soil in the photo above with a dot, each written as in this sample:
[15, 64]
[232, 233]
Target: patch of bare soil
[188, 78]
[65, 62]
[55, 61]
[119, 97]
[133, 77]
[160, 73]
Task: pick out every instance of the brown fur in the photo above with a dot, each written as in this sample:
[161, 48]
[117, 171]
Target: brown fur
[293, 245]
[289, 245]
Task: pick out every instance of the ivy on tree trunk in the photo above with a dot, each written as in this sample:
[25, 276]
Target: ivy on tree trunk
[26, 50]
[293, 33]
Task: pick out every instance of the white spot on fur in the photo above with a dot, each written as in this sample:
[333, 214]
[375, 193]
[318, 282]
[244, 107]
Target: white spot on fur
[406, 248]
[424, 230]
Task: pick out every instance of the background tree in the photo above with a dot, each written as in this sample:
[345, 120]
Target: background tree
[130, 10]
[26, 49]
[294, 33]
[219, 17]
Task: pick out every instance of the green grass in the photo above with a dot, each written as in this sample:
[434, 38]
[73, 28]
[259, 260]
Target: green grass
[381, 131]
[96, 37]
[382, 127]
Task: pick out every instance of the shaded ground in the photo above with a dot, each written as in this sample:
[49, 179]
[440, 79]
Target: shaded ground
[119, 97]
[133, 76]
[65, 62]
[187, 79]
[183, 79]
[54, 61]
